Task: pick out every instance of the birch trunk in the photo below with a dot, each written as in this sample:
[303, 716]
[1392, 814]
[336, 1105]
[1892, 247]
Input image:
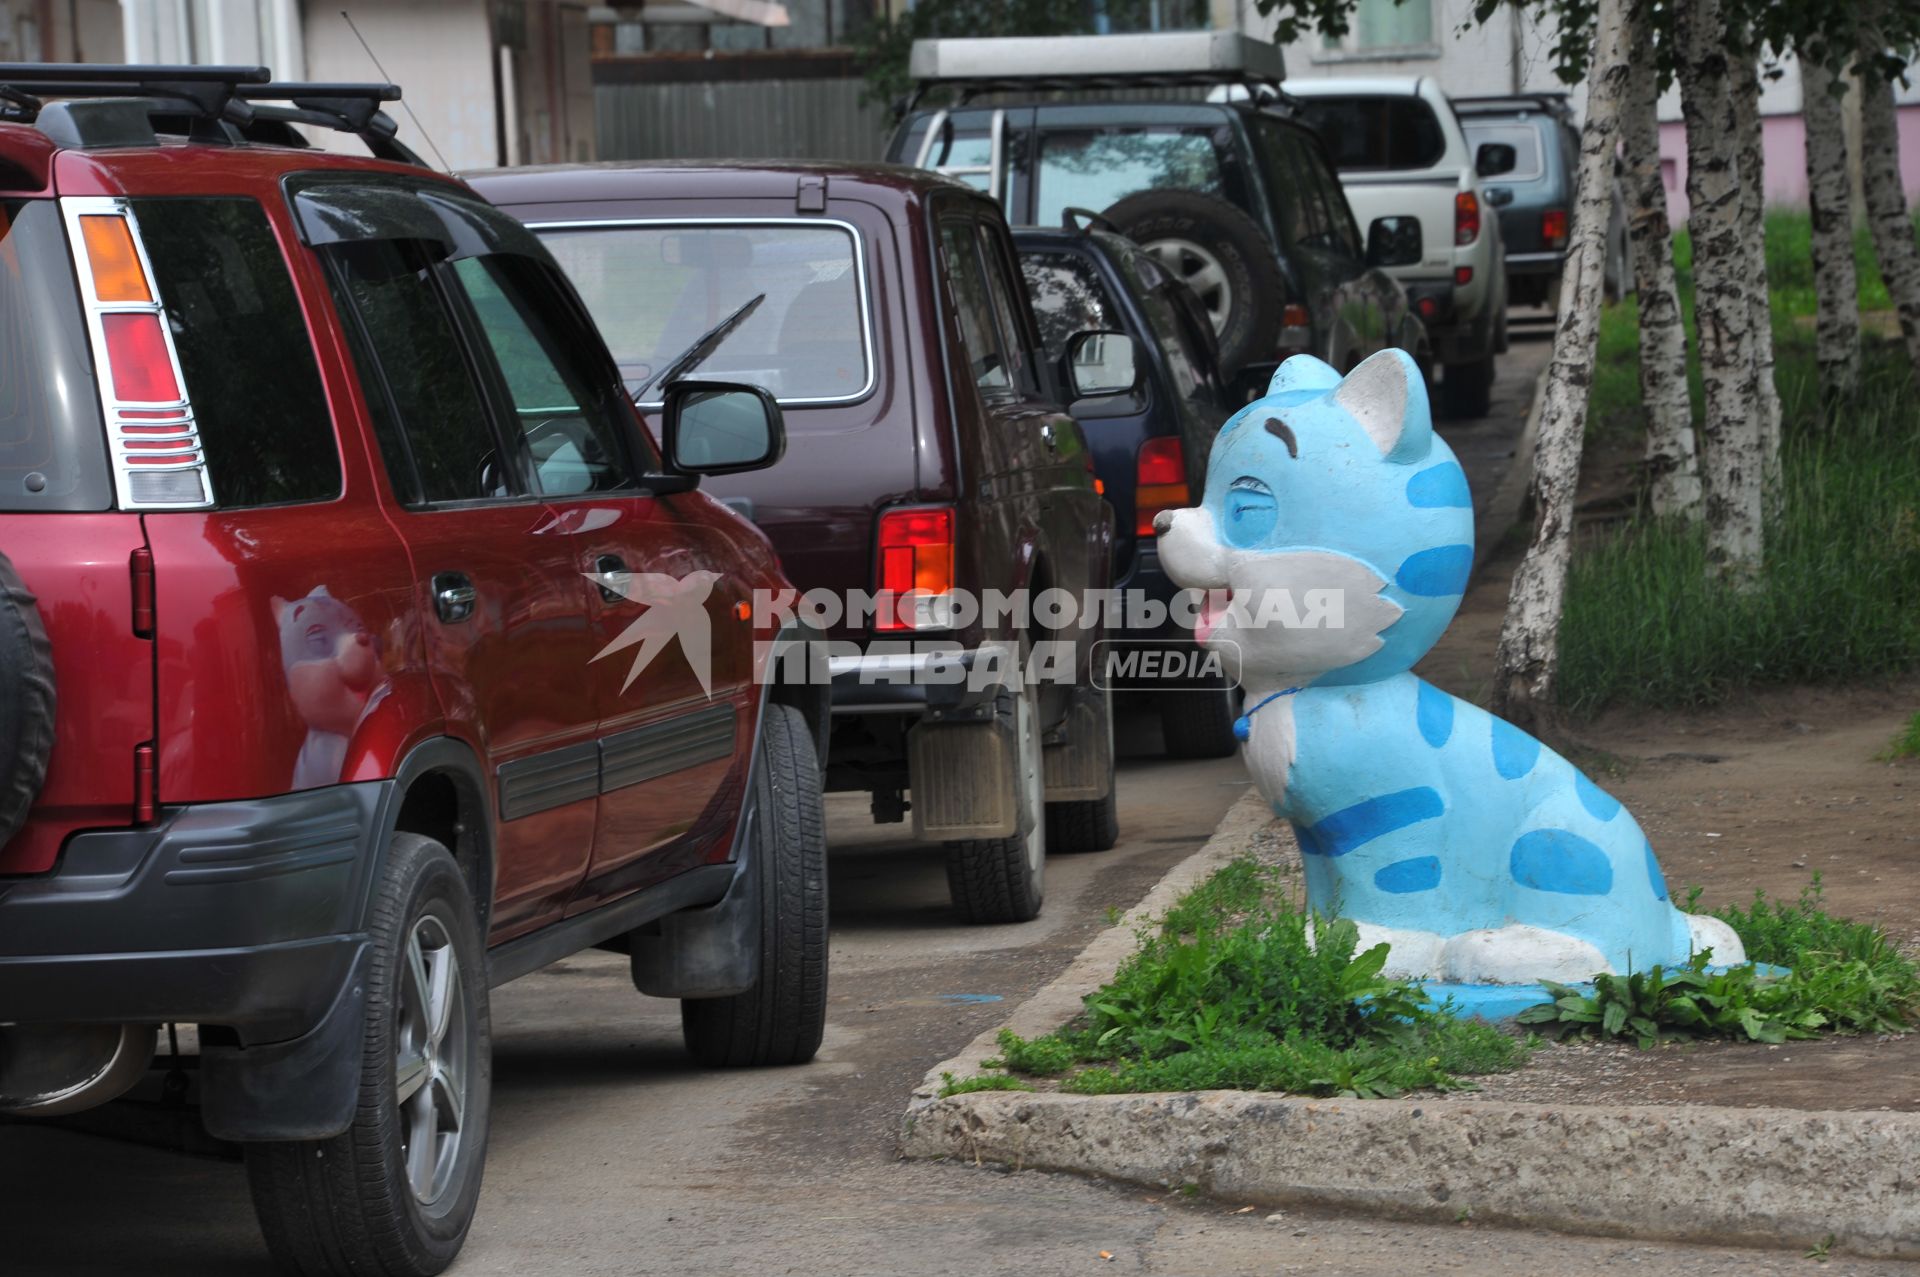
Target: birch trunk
[1887, 208]
[1671, 462]
[1527, 660]
[1732, 464]
[1744, 85]
[1830, 200]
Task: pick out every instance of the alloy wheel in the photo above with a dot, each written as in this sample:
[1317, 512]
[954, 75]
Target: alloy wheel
[430, 1060]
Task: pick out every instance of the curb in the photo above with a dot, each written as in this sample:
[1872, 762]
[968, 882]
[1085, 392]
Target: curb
[1695, 1173]
[1503, 508]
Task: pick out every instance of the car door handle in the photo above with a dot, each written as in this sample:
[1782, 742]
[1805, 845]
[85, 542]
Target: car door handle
[453, 596]
[610, 568]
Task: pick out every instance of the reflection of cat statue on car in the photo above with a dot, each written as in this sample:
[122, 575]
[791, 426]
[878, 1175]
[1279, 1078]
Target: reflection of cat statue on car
[1479, 855]
[333, 675]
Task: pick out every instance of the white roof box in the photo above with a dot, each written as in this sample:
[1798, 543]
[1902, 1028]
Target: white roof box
[1174, 57]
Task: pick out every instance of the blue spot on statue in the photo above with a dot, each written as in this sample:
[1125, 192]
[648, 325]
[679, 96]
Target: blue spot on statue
[1342, 526]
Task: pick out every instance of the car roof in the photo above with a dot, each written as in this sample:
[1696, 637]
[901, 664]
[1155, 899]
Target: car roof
[712, 179]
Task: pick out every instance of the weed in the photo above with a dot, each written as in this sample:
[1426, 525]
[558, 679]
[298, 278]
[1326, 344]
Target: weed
[1822, 1250]
[951, 1085]
[1904, 745]
[1842, 977]
[1237, 989]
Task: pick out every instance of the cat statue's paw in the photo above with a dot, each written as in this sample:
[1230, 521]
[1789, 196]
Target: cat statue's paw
[1712, 934]
[1519, 955]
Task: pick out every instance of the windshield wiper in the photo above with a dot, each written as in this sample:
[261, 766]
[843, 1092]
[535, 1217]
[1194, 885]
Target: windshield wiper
[695, 355]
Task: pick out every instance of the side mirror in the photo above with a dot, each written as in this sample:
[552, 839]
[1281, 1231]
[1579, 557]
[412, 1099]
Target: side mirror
[1493, 159]
[1101, 363]
[1394, 241]
[719, 427]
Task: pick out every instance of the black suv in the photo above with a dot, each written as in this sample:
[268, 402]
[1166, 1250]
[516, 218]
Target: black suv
[1236, 198]
[1150, 445]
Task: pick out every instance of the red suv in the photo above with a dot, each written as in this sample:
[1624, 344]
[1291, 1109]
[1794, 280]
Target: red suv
[359, 651]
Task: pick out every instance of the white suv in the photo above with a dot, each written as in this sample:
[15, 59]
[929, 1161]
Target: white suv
[1400, 150]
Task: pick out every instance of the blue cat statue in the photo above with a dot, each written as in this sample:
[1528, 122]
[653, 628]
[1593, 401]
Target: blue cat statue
[1342, 527]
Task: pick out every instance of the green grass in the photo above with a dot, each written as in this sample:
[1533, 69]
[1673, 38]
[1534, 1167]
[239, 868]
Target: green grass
[1842, 977]
[984, 1082]
[1840, 598]
[1230, 991]
[1904, 745]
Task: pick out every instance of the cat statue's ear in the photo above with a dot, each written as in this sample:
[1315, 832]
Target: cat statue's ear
[1388, 397]
[1303, 374]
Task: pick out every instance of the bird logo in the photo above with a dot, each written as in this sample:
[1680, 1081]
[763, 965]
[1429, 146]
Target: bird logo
[676, 609]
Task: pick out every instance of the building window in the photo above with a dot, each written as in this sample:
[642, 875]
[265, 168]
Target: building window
[1385, 26]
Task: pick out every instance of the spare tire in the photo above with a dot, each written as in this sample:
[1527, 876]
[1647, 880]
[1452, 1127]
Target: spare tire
[1222, 254]
[26, 701]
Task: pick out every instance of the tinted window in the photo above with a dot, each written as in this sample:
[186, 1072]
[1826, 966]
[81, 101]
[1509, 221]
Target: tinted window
[653, 290]
[438, 443]
[1376, 133]
[244, 350]
[53, 453]
[1095, 170]
[1523, 138]
[986, 360]
[1068, 298]
[1008, 302]
[559, 400]
[1343, 233]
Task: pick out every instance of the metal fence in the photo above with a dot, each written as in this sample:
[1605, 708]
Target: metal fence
[738, 119]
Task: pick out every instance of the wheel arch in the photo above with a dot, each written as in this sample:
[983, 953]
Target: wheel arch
[440, 792]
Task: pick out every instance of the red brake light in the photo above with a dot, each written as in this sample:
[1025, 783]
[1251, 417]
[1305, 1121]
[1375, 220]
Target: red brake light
[137, 354]
[1466, 217]
[916, 568]
[1463, 275]
[1160, 481]
[1553, 227]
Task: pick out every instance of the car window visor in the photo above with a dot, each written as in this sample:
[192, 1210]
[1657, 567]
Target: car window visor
[708, 342]
[333, 211]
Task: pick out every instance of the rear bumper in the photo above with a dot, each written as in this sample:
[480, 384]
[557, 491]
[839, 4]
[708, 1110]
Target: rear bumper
[245, 914]
[1523, 265]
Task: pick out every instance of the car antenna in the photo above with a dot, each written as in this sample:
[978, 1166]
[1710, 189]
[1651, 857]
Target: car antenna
[405, 105]
[703, 345]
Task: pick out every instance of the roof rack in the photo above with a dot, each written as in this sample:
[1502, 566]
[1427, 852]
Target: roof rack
[1027, 64]
[1553, 102]
[108, 104]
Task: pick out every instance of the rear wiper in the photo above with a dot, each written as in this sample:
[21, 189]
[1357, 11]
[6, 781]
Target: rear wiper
[708, 342]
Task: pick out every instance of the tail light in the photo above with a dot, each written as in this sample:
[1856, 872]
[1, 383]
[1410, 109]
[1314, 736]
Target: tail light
[1553, 227]
[1295, 316]
[1466, 218]
[158, 463]
[146, 784]
[1463, 275]
[916, 569]
[1160, 483]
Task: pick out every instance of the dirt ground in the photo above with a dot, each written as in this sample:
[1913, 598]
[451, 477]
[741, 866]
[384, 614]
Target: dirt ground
[1758, 794]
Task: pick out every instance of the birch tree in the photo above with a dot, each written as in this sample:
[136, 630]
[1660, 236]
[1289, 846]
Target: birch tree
[1672, 466]
[1887, 214]
[1731, 459]
[1830, 201]
[1743, 85]
[1527, 659]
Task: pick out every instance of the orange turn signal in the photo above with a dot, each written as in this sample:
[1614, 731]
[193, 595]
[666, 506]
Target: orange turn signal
[117, 276]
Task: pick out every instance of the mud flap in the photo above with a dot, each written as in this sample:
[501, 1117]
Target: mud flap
[1079, 753]
[305, 1089]
[962, 776]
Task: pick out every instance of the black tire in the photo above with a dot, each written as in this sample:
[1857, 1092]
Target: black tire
[349, 1205]
[779, 1020]
[1088, 824]
[1466, 390]
[995, 880]
[1221, 253]
[26, 701]
[1199, 724]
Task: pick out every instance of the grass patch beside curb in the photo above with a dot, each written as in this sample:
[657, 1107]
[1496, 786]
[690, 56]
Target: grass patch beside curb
[1843, 977]
[1236, 988]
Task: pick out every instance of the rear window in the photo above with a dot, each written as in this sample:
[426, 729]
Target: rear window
[53, 449]
[1376, 133]
[244, 351]
[654, 289]
[1097, 169]
[1523, 138]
